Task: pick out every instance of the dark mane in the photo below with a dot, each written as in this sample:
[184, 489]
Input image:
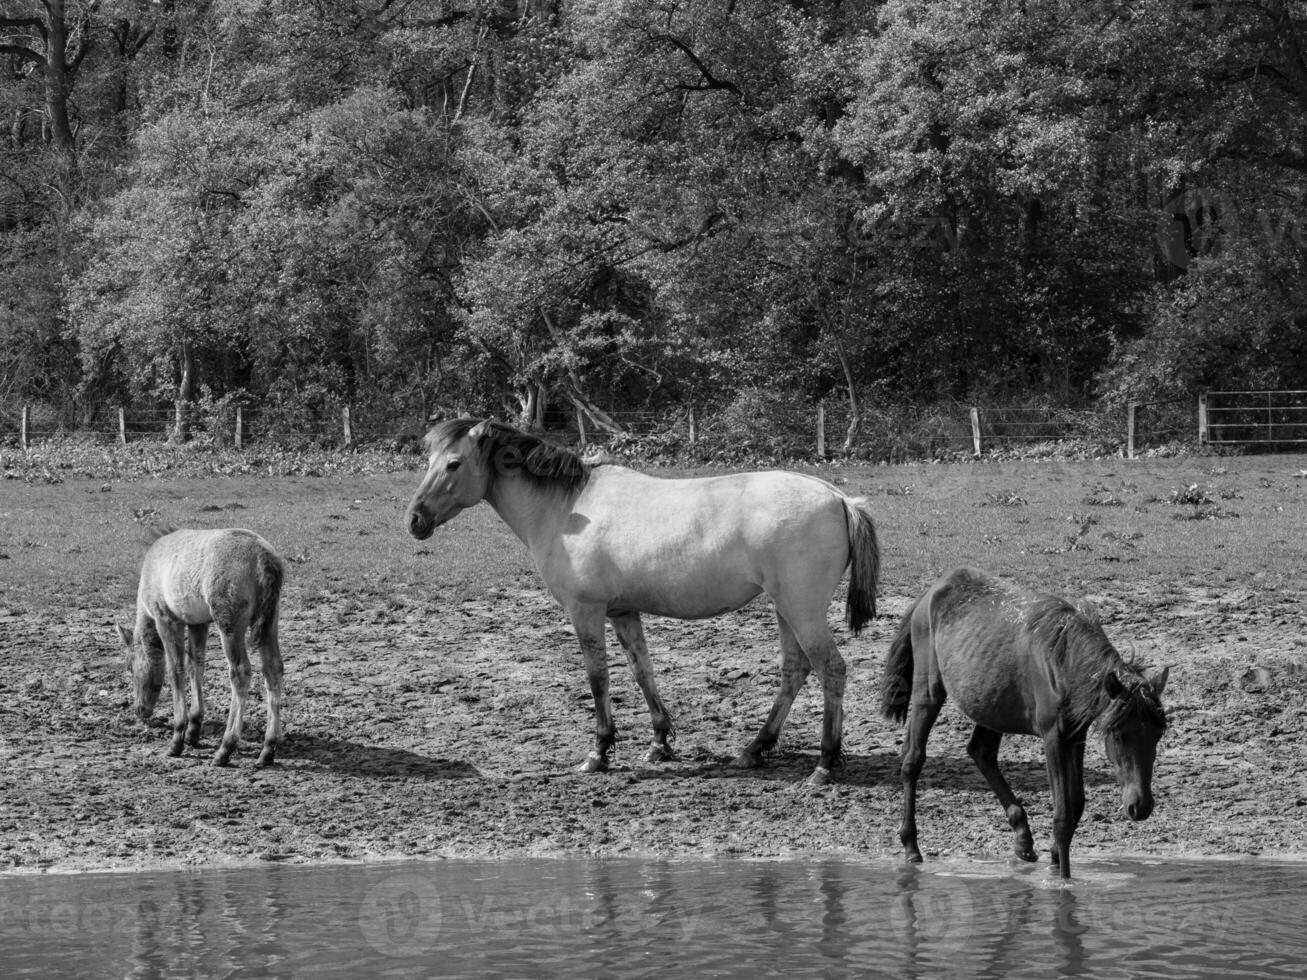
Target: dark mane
[510, 451]
[1080, 657]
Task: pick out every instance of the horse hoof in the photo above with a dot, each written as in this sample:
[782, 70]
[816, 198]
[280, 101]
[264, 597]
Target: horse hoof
[594, 762]
[266, 758]
[820, 777]
[748, 760]
[912, 856]
[222, 757]
[660, 753]
[1029, 855]
[175, 749]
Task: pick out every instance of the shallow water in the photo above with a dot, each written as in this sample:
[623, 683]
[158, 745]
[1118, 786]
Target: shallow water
[631, 918]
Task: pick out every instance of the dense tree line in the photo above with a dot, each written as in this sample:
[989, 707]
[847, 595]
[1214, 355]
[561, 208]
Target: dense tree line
[602, 205]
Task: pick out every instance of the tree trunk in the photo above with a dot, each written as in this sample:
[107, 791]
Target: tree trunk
[185, 393]
[855, 409]
[58, 84]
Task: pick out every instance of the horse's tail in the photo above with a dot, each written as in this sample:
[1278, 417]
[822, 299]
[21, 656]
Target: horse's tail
[896, 684]
[864, 564]
[270, 571]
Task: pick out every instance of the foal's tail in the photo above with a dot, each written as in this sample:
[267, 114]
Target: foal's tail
[864, 564]
[271, 571]
[896, 684]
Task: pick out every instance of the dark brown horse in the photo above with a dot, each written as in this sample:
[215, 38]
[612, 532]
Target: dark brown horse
[1021, 664]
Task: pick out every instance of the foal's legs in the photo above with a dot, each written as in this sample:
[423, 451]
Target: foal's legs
[199, 638]
[232, 635]
[794, 671]
[173, 634]
[1066, 779]
[588, 622]
[270, 657]
[630, 633]
[983, 749]
[927, 701]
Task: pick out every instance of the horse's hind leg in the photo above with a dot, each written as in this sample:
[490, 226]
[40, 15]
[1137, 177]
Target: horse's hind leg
[173, 634]
[824, 656]
[199, 638]
[232, 635]
[794, 671]
[589, 625]
[270, 657]
[630, 633]
[983, 749]
[922, 713]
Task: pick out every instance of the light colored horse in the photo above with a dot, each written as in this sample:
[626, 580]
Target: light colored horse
[190, 578]
[1021, 664]
[613, 543]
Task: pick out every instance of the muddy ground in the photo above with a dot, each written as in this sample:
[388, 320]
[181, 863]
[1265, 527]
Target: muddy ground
[475, 757]
[411, 734]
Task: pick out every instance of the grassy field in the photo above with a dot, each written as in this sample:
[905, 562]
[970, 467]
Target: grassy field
[1219, 524]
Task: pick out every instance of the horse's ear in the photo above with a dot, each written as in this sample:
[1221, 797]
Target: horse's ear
[1158, 680]
[1113, 686]
[125, 635]
[480, 430]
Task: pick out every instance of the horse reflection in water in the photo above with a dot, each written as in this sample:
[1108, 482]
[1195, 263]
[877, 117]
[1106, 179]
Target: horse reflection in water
[1021, 664]
[612, 543]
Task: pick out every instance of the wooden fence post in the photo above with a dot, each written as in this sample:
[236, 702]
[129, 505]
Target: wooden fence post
[580, 426]
[349, 430]
[22, 429]
[975, 429]
[237, 439]
[1131, 410]
[821, 430]
[1202, 418]
[694, 427]
[122, 426]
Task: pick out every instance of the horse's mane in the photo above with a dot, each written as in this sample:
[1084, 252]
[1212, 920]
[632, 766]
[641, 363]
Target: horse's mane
[1080, 657]
[509, 450]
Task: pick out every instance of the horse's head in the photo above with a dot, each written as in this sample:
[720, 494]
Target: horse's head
[145, 664]
[1132, 726]
[457, 476]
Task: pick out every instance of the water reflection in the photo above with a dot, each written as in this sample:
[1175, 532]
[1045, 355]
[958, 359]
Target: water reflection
[821, 918]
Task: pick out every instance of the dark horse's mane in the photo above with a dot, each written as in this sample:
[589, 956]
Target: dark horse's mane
[1080, 657]
[509, 450]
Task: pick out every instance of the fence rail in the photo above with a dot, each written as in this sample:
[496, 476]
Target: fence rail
[1252, 417]
[1225, 417]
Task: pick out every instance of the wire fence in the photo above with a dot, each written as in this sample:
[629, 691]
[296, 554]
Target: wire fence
[824, 430]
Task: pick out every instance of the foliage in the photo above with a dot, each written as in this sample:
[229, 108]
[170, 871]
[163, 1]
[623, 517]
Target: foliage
[632, 204]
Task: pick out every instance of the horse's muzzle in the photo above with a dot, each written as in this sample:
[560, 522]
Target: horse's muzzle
[420, 524]
[1139, 807]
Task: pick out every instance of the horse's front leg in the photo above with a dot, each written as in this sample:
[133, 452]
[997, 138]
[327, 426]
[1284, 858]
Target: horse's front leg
[794, 671]
[630, 633]
[199, 638]
[173, 634]
[1065, 760]
[589, 625]
[983, 749]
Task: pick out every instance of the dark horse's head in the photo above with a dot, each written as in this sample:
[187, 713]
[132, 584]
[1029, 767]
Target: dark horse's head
[1132, 726]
